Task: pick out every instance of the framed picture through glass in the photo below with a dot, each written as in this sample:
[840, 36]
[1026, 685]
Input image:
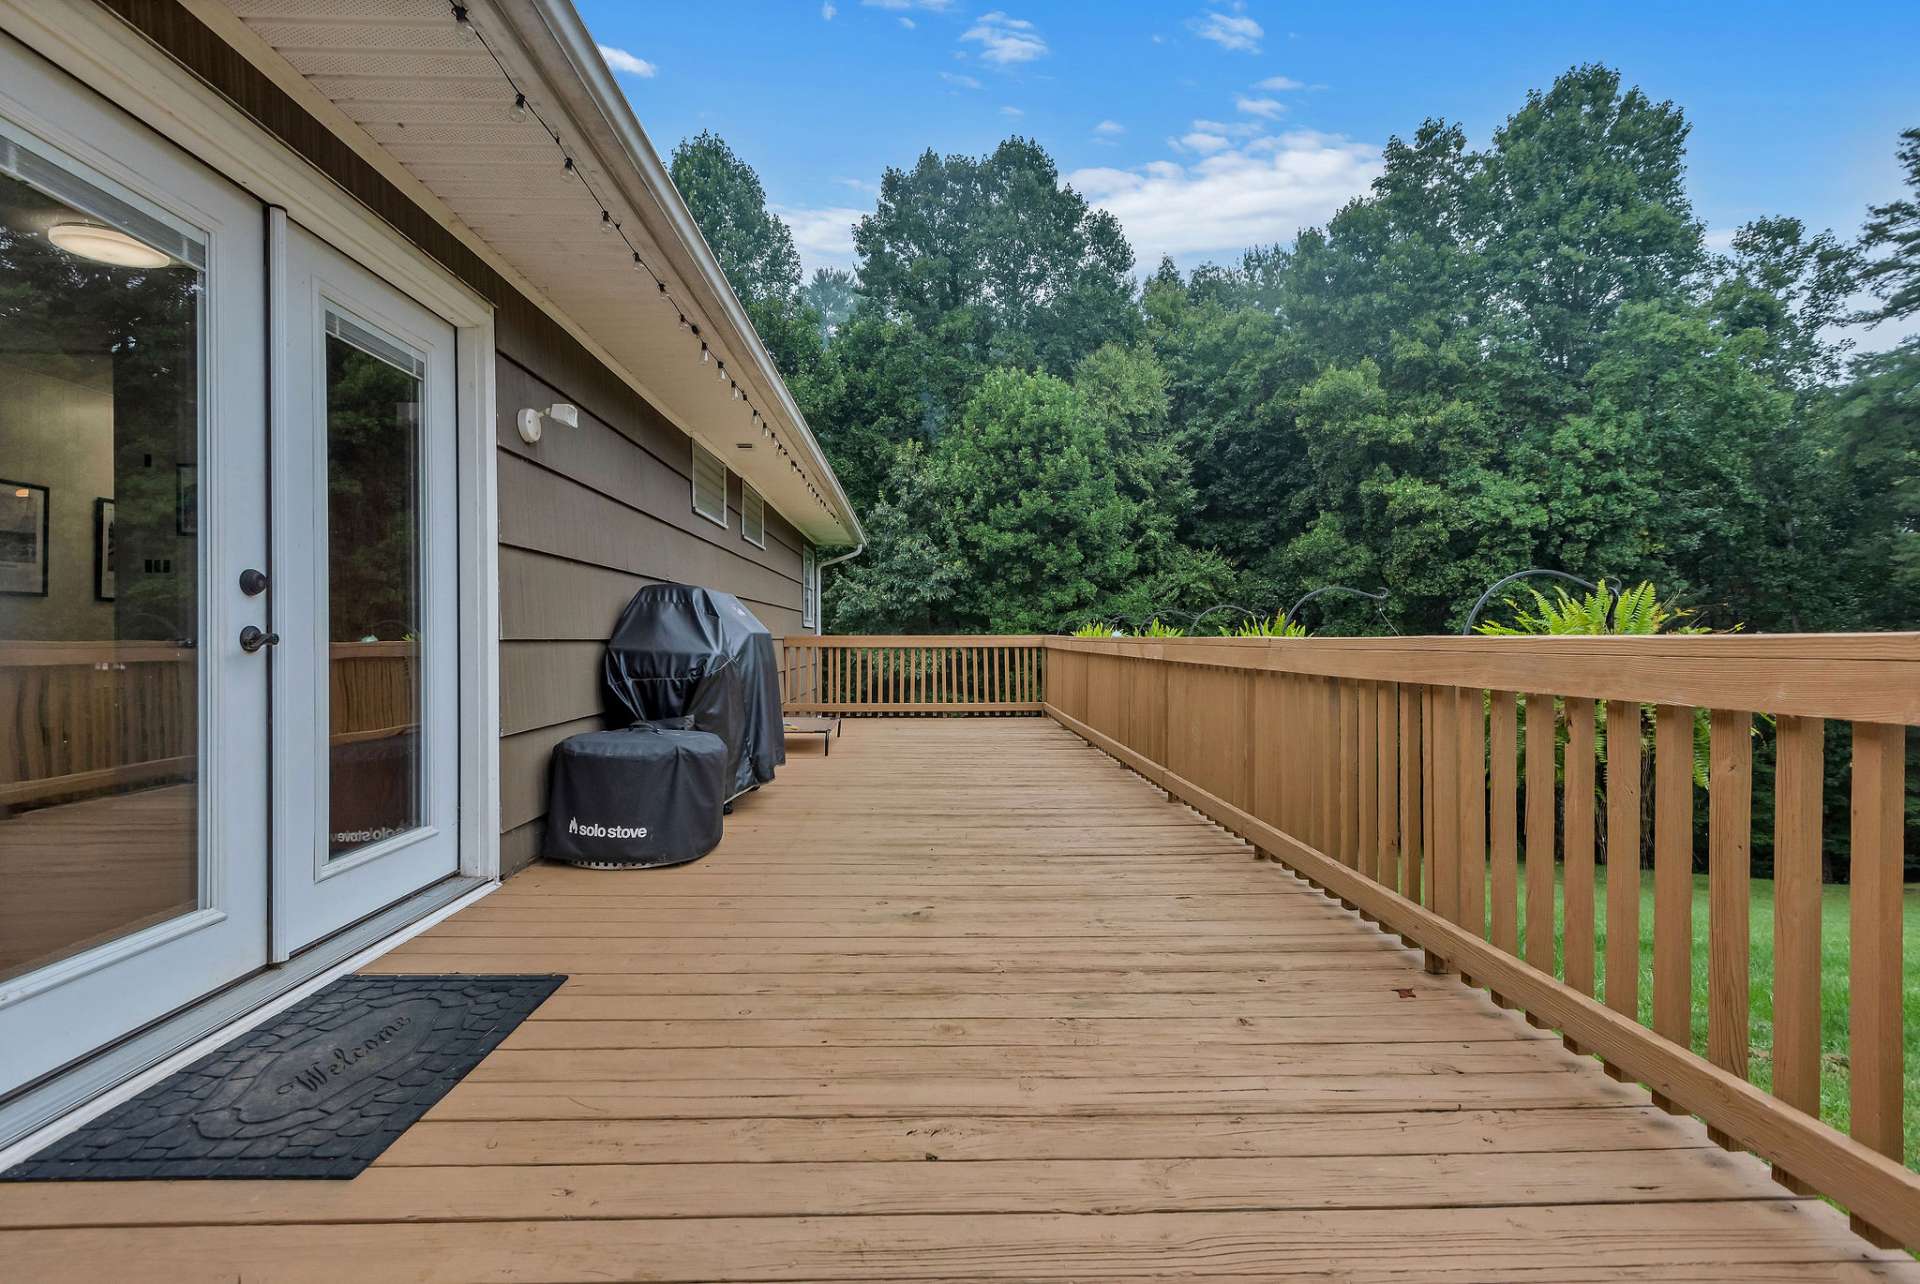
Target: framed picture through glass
[23, 538]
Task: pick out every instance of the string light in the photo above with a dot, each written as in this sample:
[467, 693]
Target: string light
[522, 110]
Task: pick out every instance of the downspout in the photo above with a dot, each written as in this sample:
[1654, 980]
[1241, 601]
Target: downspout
[819, 568]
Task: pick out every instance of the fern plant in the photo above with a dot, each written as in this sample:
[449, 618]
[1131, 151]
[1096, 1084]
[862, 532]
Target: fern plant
[1156, 629]
[1099, 630]
[1277, 627]
[1638, 611]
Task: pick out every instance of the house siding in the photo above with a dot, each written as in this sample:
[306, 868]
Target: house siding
[587, 516]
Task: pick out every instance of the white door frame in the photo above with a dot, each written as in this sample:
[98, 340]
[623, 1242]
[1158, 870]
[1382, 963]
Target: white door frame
[314, 892]
[113, 60]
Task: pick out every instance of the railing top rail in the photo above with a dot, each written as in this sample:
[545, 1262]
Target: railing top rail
[914, 639]
[1867, 677]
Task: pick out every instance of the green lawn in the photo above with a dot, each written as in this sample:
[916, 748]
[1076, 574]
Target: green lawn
[1833, 987]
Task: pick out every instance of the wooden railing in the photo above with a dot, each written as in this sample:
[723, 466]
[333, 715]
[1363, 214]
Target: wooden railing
[1434, 784]
[944, 675]
[84, 718]
[90, 717]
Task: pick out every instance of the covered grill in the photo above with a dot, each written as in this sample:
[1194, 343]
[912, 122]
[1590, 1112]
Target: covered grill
[684, 651]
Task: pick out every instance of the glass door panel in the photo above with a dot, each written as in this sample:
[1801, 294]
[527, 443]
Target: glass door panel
[100, 339]
[132, 488]
[375, 389]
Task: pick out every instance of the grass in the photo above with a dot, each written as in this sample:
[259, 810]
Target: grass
[1833, 986]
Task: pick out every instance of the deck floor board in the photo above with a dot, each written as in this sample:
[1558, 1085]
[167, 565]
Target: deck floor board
[966, 1000]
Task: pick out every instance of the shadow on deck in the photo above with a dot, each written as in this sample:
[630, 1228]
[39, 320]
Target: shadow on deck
[969, 1000]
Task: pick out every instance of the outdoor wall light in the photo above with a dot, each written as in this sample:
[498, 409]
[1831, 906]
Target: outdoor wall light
[106, 245]
[533, 422]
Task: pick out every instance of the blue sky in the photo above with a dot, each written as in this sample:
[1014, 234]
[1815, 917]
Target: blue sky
[1207, 128]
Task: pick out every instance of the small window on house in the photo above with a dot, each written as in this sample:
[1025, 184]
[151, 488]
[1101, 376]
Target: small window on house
[709, 485]
[753, 516]
[809, 589]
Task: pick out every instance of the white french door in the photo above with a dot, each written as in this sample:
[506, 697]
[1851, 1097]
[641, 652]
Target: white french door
[133, 775]
[366, 595]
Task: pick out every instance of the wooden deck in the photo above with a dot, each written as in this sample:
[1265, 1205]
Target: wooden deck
[967, 1000]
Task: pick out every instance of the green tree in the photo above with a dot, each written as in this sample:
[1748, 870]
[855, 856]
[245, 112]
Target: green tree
[995, 255]
[832, 294]
[1581, 208]
[1892, 239]
[1037, 515]
[754, 248]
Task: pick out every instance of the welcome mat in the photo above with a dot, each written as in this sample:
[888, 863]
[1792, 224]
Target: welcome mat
[319, 1091]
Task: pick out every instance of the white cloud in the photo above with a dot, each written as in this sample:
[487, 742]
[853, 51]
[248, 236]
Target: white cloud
[908, 23]
[1011, 111]
[1110, 128]
[859, 185]
[1720, 240]
[1279, 84]
[1233, 31]
[622, 61]
[1261, 192]
[827, 11]
[823, 235]
[1005, 40]
[1200, 141]
[935, 6]
[955, 78]
[1265, 108]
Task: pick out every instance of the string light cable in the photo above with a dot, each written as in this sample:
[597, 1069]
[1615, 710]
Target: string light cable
[522, 109]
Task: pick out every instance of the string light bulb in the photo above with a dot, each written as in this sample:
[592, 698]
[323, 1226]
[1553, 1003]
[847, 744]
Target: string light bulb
[519, 108]
[462, 21]
[704, 354]
[566, 167]
[606, 221]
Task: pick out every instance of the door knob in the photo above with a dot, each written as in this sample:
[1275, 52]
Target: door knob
[253, 583]
[252, 639]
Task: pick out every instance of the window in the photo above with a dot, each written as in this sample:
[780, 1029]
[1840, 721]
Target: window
[809, 589]
[709, 485]
[753, 516]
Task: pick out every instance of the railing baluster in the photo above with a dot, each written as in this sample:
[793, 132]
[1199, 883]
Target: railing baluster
[1623, 858]
[1445, 803]
[1412, 803]
[1367, 766]
[1541, 733]
[1349, 776]
[1875, 1053]
[1577, 845]
[1503, 761]
[1473, 810]
[1729, 834]
[1673, 874]
[1388, 784]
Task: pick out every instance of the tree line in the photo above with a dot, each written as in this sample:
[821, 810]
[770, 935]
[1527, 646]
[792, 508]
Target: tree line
[1523, 354]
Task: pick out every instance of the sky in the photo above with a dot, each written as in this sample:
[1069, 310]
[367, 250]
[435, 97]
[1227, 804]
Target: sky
[1207, 128]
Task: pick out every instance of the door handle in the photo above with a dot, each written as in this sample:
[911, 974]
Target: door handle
[252, 639]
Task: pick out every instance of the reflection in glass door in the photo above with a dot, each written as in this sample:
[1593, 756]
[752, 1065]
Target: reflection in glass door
[99, 596]
[132, 485]
[374, 392]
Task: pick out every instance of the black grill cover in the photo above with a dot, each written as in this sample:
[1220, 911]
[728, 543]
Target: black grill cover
[644, 796]
[680, 650]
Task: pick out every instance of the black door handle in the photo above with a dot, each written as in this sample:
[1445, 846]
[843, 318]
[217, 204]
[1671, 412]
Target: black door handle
[252, 639]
